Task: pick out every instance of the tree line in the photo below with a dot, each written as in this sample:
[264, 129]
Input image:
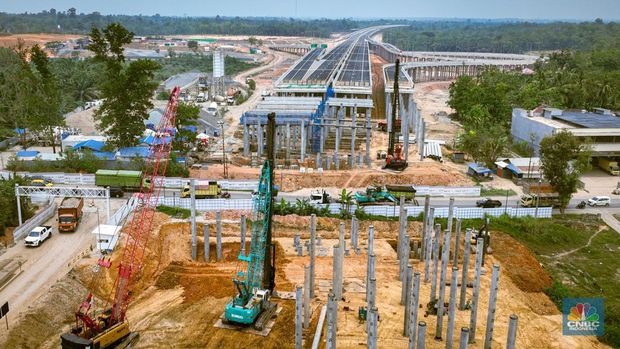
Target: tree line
[518, 37]
[566, 80]
[70, 21]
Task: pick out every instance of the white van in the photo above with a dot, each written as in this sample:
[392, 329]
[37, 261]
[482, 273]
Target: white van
[599, 201]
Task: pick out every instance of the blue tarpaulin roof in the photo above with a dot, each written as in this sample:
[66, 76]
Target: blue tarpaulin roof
[479, 169]
[150, 139]
[104, 155]
[20, 131]
[90, 144]
[513, 168]
[27, 153]
[134, 152]
[191, 128]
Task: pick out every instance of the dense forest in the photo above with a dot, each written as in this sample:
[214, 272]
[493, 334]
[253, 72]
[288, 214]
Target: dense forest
[517, 37]
[54, 21]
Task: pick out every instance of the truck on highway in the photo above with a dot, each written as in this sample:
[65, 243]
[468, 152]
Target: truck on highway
[70, 213]
[201, 97]
[609, 165]
[125, 180]
[398, 190]
[38, 235]
[210, 191]
[374, 196]
[319, 197]
[544, 199]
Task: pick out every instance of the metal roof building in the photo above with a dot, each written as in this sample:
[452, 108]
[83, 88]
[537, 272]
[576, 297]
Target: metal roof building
[601, 127]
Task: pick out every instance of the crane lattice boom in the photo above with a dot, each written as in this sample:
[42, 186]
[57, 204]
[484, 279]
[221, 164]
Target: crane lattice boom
[139, 229]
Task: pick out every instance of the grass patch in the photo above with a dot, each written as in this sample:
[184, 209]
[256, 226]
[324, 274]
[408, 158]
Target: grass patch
[484, 191]
[589, 272]
[594, 271]
[176, 212]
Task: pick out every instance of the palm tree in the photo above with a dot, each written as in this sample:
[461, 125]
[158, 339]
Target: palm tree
[85, 90]
[346, 199]
[303, 207]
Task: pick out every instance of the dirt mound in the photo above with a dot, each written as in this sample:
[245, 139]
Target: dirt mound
[524, 271]
[521, 265]
[48, 316]
[228, 214]
[193, 277]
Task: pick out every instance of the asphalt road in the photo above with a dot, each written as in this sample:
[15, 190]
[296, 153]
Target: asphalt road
[53, 259]
[511, 201]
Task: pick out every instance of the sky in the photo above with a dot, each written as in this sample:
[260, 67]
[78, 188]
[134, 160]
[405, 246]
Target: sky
[523, 9]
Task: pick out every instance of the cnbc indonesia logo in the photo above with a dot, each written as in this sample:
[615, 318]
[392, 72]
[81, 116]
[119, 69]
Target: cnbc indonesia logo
[583, 317]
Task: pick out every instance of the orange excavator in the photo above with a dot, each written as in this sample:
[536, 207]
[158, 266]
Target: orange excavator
[109, 328]
[395, 159]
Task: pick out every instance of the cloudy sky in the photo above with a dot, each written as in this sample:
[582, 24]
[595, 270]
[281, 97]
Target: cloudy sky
[525, 9]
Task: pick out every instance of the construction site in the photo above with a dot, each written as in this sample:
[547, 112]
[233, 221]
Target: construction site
[345, 116]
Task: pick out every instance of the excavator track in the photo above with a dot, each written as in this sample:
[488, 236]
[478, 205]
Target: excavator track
[265, 316]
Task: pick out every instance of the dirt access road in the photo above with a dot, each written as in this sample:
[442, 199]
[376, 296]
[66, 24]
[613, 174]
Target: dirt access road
[263, 77]
[45, 265]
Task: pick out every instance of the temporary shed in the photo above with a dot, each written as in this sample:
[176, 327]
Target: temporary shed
[478, 171]
[107, 236]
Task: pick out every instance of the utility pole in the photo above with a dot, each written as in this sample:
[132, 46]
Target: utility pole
[538, 198]
[221, 123]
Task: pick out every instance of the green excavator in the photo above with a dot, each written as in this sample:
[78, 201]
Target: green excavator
[375, 196]
[255, 277]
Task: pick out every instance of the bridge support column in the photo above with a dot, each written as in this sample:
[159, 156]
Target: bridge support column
[246, 139]
[353, 134]
[288, 142]
[303, 141]
[368, 134]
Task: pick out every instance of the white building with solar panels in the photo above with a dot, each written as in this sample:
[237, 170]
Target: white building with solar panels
[601, 126]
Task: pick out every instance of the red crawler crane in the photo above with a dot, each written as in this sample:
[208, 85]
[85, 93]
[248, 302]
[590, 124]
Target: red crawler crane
[109, 327]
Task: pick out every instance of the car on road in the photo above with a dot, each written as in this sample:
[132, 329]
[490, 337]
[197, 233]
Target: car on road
[38, 235]
[599, 201]
[488, 203]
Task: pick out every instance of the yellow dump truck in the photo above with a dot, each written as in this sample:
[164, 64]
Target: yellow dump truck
[609, 165]
[210, 191]
[546, 199]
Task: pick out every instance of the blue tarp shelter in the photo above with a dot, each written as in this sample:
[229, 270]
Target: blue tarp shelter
[27, 153]
[134, 152]
[191, 128]
[475, 169]
[101, 155]
[90, 144]
[151, 139]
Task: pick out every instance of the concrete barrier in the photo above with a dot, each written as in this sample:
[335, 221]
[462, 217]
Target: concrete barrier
[34, 221]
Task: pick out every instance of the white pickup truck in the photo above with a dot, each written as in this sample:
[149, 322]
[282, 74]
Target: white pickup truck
[38, 235]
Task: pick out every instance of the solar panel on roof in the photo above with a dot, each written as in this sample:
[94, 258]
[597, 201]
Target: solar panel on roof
[590, 120]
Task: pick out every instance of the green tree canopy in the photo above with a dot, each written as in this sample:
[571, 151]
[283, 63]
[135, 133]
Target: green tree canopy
[125, 87]
[563, 159]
